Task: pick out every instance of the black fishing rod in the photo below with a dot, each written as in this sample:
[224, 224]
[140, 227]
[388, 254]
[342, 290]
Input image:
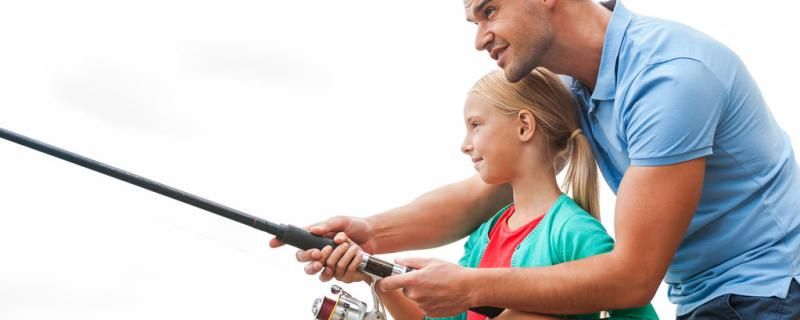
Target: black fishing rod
[289, 234]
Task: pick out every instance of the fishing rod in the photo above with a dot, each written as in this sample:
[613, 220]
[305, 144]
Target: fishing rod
[286, 233]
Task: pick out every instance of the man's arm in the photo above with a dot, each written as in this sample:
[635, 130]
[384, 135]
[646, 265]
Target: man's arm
[438, 217]
[653, 210]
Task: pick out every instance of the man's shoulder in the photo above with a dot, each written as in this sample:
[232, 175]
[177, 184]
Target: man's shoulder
[651, 42]
[661, 39]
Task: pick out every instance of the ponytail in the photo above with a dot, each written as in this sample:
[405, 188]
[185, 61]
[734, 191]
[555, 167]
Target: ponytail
[581, 176]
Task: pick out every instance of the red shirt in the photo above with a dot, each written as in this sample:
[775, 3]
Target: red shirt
[502, 243]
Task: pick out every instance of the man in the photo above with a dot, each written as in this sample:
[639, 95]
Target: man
[708, 189]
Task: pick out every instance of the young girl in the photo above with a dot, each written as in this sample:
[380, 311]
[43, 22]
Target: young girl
[522, 134]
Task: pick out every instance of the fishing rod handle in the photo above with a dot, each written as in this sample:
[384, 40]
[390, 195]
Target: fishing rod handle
[378, 268]
[302, 239]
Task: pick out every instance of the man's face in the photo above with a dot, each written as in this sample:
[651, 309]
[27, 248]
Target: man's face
[516, 33]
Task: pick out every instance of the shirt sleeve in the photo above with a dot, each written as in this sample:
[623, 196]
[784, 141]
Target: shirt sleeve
[672, 111]
[582, 236]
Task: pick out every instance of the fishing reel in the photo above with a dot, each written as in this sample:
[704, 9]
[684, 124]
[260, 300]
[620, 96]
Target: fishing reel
[343, 306]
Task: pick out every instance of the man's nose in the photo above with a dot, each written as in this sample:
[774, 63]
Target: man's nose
[483, 38]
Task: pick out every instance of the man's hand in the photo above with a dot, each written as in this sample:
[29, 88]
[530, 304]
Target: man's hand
[439, 288]
[357, 229]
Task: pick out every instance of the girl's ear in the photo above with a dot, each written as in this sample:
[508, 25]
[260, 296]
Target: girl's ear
[526, 125]
[548, 3]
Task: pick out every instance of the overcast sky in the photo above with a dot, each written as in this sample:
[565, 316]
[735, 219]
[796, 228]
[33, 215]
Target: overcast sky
[293, 111]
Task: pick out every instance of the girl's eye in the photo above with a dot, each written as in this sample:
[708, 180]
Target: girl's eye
[474, 124]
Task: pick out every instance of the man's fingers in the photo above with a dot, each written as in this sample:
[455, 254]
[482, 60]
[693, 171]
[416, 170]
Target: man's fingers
[415, 263]
[396, 282]
[274, 243]
[331, 225]
[318, 229]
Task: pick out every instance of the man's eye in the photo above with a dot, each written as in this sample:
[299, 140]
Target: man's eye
[489, 11]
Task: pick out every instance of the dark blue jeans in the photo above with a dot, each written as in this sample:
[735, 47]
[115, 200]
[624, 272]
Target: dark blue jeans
[737, 307]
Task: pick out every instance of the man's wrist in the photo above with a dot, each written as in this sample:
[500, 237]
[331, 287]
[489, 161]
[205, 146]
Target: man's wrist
[373, 232]
[473, 282]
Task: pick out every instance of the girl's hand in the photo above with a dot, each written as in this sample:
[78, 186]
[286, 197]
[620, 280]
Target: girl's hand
[342, 262]
[359, 229]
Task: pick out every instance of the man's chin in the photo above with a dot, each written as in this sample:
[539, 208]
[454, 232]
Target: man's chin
[514, 74]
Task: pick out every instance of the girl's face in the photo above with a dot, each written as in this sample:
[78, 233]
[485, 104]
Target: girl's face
[491, 140]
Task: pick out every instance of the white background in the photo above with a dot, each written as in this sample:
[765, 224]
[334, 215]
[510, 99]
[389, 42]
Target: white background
[293, 111]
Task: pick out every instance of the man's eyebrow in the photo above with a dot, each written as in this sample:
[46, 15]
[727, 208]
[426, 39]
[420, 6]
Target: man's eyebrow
[478, 8]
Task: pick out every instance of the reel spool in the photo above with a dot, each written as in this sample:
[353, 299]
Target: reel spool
[343, 306]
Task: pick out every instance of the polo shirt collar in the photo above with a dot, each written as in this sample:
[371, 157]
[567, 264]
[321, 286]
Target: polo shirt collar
[606, 85]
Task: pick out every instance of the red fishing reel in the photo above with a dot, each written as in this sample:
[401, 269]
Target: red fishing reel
[343, 306]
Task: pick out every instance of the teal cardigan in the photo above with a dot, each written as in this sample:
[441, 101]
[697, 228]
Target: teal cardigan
[566, 233]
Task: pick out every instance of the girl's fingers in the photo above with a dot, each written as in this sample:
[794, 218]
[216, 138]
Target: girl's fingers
[337, 253]
[326, 275]
[353, 267]
[344, 261]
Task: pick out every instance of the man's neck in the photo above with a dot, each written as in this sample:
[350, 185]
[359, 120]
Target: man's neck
[578, 45]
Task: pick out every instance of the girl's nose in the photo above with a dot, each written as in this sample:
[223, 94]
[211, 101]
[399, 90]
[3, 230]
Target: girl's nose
[466, 147]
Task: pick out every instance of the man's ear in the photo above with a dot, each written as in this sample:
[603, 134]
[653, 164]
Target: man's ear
[526, 125]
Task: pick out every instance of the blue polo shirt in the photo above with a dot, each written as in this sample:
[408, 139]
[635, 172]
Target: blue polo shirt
[667, 94]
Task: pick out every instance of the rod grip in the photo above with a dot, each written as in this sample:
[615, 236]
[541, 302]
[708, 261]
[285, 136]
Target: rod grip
[302, 239]
[490, 312]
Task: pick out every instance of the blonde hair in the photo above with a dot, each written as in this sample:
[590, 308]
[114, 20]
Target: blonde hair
[555, 111]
